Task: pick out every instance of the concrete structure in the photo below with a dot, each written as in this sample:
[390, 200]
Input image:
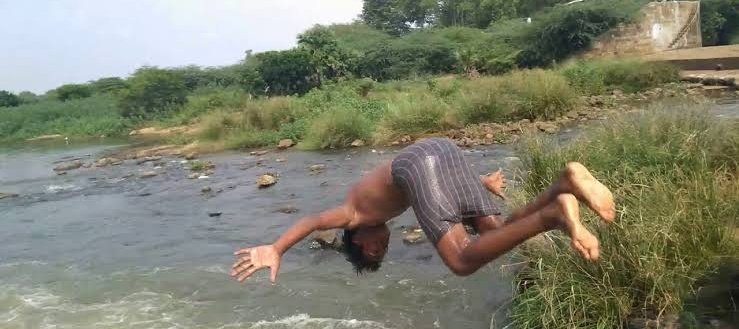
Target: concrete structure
[660, 26]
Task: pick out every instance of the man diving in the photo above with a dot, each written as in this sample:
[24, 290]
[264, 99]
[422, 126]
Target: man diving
[432, 177]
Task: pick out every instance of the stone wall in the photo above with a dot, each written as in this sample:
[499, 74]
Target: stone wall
[660, 26]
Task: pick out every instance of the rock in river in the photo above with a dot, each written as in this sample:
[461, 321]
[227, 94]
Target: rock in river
[285, 143]
[317, 168]
[266, 180]
[328, 239]
[414, 236]
[357, 143]
[7, 195]
[68, 166]
[107, 162]
[148, 174]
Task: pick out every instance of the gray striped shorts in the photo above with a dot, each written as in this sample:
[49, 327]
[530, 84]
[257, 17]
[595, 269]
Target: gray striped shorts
[440, 186]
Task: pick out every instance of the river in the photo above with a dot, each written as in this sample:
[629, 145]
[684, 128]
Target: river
[99, 248]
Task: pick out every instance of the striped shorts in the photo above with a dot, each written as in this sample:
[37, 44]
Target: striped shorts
[440, 186]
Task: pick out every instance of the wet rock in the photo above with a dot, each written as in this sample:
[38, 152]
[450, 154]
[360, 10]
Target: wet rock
[547, 127]
[86, 165]
[424, 258]
[258, 153]
[285, 143]
[103, 162]
[395, 143]
[215, 214]
[4, 195]
[45, 137]
[61, 173]
[406, 139]
[148, 159]
[328, 239]
[414, 236]
[148, 174]
[280, 160]
[191, 156]
[193, 176]
[68, 166]
[206, 189]
[266, 180]
[289, 209]
[317, 168]
[357, 143]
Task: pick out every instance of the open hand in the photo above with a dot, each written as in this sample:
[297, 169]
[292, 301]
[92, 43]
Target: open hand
[254, 259]
[496, 183]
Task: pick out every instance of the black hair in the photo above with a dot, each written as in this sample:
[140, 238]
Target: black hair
[355, 256]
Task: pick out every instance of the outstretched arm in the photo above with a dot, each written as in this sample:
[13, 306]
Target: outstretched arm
[253, 259]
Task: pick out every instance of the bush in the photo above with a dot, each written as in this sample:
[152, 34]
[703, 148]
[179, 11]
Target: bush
[417, 114]
[719, 21]
[400, 60]
[92, 116]
[483, 101]
[270, 113]
[73, 91]
[337, 127]
[287, 72]
[673, 174]
[251, 138]
[539, 94]
[152, 92]
[8, 99]
[205, 100]
[594, 77]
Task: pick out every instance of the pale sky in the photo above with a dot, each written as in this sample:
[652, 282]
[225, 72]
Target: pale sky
[47, 43]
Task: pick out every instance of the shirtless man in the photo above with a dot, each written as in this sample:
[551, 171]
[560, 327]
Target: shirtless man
[433, 178]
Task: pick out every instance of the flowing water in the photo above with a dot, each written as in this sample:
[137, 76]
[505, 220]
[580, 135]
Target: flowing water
[99, 248]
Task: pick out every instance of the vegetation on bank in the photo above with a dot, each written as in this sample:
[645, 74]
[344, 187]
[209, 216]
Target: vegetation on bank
[673, 170]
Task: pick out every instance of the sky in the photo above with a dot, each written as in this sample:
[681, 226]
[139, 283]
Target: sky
[47, 43]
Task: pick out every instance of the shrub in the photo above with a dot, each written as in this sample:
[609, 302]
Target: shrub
[337, 127]
[270, 113]
[8, 99]
[483, 101]
[287, 72]
[151, 93]
[594, 77]
[251, 138]
[538, 94]
[400, 60]
[673, 174]
[417, 114]
[73, 91]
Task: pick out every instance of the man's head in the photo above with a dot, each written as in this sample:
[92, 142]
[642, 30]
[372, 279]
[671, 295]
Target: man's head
[366, 247]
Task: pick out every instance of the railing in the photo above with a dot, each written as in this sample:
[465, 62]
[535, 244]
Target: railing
[691, 20]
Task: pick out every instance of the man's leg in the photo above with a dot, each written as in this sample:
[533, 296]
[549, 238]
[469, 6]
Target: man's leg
[464, 256]
[575, 179]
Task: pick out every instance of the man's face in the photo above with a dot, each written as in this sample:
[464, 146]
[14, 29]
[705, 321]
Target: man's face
[373, 241]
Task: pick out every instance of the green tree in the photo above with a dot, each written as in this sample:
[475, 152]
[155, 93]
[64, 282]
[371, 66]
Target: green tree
[719, 21]
[329, 60]
[151, 92]
[107, 85]
[385, 15]
[27, 97]
[73, 91]
[287, 72]
[401, 60]
[8, 99]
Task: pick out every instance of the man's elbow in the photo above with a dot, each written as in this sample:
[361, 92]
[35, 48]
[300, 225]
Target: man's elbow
[462, 269]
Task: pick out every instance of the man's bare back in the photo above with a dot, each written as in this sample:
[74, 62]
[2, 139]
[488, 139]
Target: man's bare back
[375, 199]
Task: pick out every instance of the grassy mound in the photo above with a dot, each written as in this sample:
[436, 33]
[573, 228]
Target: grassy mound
[674, 176]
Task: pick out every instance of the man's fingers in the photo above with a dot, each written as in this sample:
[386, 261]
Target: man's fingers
[241, 260]
[241, 269]
[244, 251]
[247, 274]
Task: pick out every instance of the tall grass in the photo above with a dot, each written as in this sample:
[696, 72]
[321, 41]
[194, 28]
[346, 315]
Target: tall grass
[91, 116]
[599, 76]
[337, 127]
[674, 176]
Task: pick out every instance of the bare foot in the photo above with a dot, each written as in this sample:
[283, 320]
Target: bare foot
[564, 214]
[590, 191]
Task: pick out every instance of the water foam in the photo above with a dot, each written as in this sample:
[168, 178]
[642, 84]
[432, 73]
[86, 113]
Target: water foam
[304, 321]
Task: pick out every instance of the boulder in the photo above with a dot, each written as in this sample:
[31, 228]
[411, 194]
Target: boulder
[206, 189]
[316, 168]
[148, 174]
[280, 160]
[414, 236]
[258, 153]
[193, 176]
[547, 127]
[329, 239]
[145, 159]
[68, 166]
[103, 162]
[191, 156]
[357, 143]
[266, 180]
[7, 195]
[285, 143]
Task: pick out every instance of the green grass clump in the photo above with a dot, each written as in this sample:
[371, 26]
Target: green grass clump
[92, 116]
[337, 128]
[417, 114]
[251, 138]
[674, 177]
[599, 76]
